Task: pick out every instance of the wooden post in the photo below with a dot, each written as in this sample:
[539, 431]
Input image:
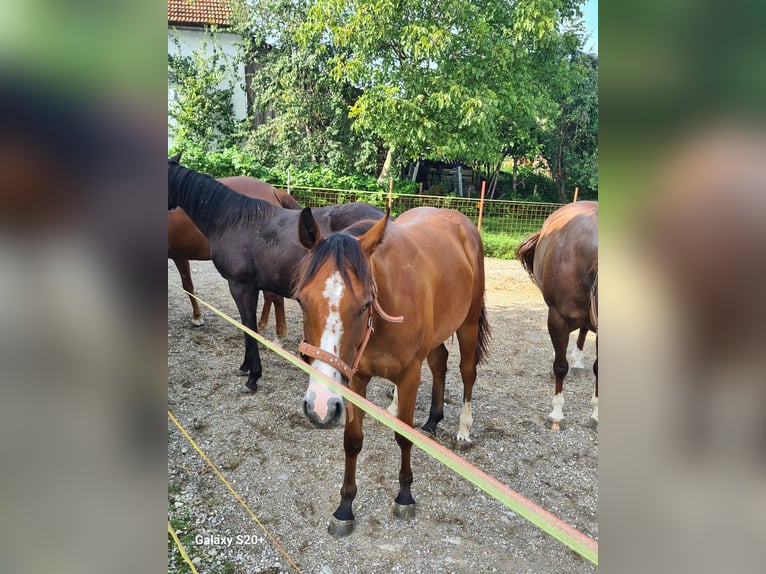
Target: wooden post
[575, 195]
[390, 193]
[481, 203]
[288, 181]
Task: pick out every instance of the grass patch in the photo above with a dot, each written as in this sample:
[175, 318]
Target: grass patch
[501, 245]
[183, 524]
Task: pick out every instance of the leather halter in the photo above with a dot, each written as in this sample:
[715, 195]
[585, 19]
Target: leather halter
[335, 361]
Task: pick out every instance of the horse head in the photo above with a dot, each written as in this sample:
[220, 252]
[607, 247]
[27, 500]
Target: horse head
[335, 289]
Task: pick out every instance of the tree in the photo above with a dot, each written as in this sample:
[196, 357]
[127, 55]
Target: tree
[571, 143]
[441, 78]
[308, 119]
[202, 109]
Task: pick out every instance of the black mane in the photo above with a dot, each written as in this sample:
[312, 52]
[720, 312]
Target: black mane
[209, 203]
[347, 255]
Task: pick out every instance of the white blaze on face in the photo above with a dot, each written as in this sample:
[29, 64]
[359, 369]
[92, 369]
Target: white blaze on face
[329, 342]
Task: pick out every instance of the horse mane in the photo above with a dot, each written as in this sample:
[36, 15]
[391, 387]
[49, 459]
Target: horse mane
[525, 253]
[347, 255]
[209, 203]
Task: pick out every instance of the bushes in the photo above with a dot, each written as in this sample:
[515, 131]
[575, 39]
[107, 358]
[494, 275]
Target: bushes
[233, 161]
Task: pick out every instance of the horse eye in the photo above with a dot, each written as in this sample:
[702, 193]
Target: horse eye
[366, 306]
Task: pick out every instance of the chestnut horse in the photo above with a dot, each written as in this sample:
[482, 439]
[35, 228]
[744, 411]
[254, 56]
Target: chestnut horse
[427, 268]
[186, 241]
[253, 244]
[562, 259]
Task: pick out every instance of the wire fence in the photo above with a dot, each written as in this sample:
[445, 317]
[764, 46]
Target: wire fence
[500, 216]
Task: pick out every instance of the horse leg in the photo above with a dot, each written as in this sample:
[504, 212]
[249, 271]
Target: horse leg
[342, 521]
[393, 408]
[437, 362]
[468, 339]
[407, 388]
[279, 315]
[184, 270]
[559, 332]
[263, 322]
[246, 297]
[577, 354]
[594, 400]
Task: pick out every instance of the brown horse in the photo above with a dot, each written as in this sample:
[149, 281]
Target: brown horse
[562, 259]
[427, 267]
[186, 241]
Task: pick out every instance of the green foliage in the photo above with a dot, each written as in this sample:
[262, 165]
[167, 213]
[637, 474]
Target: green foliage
[307, 119]
[443, 78]
[234, 161]
[202, 110]
[501, 245]
[531, 185]
[571, 143]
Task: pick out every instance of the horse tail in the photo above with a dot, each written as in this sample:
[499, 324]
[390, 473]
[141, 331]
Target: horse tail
[482, 344]
[286, 200]
[593, 280]
[526, 253]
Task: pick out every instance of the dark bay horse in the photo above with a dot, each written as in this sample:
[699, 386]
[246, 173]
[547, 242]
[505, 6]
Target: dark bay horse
[562, 259]
[186, 241]
[427, 269]
[253, 244]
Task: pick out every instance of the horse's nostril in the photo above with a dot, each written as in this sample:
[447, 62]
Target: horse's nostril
[338, 410]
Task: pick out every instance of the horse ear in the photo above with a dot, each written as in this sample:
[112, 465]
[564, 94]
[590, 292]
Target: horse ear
[308, 230]
[370, 240]
[177, 158]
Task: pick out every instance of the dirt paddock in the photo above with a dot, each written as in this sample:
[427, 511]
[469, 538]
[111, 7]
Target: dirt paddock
[290, 474]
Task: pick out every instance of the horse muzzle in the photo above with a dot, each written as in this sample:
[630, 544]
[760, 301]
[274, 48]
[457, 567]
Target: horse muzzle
[323, 409]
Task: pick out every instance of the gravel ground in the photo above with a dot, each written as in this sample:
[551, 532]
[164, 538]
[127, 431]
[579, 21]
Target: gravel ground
[290, 474]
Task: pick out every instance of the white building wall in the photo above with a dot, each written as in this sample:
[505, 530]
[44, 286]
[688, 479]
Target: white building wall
[191, 39]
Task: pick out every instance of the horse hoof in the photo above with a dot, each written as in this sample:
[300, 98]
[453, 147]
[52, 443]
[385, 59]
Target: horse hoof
[403, 511]
[252, 385]
[340, 528]
[463, 439]
[242, 372]
[554, 425]
[198, 322]
[245, 390]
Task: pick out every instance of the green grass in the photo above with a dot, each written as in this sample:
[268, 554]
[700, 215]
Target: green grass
[501, 245]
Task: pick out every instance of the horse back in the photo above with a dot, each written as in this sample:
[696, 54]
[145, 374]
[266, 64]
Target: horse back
[566, 258]
[433, 262]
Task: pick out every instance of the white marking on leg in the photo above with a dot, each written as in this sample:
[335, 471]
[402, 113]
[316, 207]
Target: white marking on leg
[557, 413]
[577, 358]
[394, 406]
[466, 422]
[594, 404]
[330, 342]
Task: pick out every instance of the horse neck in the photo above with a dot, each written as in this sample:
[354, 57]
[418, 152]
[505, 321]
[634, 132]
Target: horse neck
[209, 204]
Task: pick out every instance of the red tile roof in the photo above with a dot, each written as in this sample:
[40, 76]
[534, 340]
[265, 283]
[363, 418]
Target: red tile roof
[198, 12]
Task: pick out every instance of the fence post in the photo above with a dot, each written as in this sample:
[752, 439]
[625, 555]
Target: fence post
[390, 193]
[288, 182]
[575, 195]
[481, 203]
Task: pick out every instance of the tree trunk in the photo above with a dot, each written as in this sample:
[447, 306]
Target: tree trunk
[308, 138]
[515, 174]
[384, 173]
[494, 178]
